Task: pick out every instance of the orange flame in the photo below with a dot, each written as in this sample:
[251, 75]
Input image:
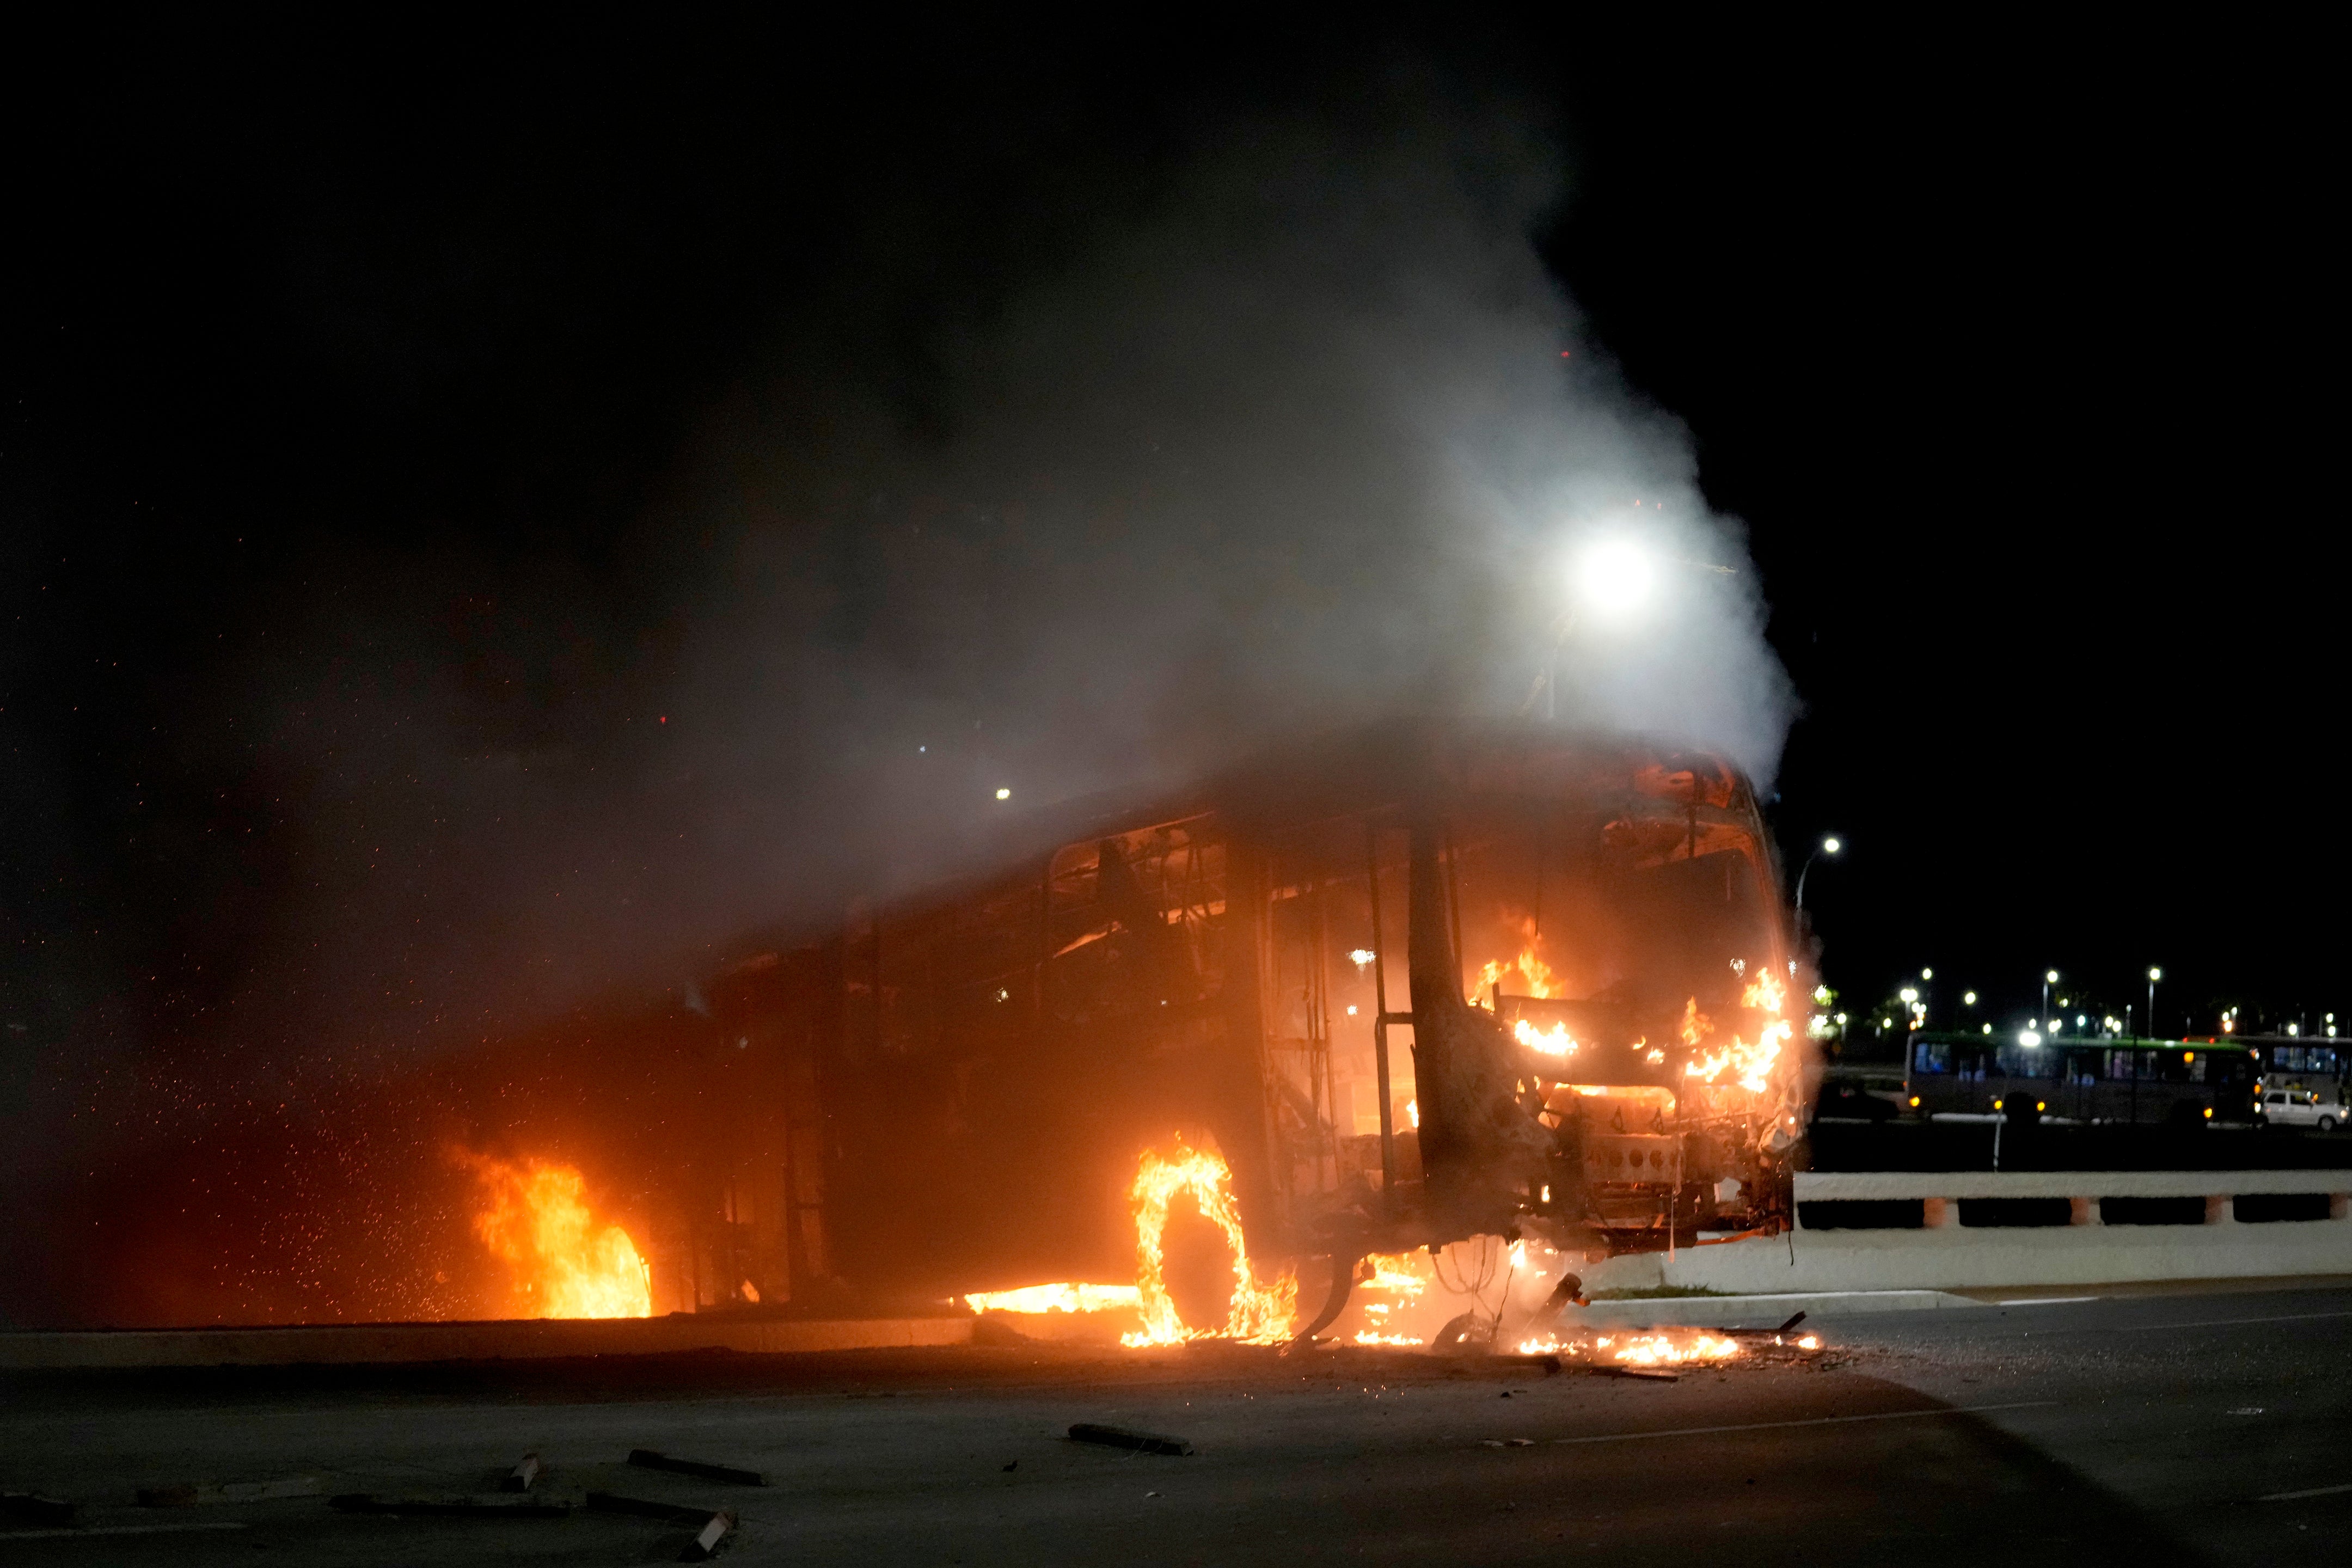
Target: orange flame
[1534, 972]
[1749, 1065]
[1555, 1041]
[1070, 1297]
[1259, 1313]
[1651, 1349]
[536, 1221]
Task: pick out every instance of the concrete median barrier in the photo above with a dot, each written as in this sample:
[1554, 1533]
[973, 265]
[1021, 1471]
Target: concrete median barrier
[1928, 1230]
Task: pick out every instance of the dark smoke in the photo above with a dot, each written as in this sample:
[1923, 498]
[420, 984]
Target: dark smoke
[1062, 465]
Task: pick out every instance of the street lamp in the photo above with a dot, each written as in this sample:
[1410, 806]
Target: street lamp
[2153, 975]
[2049, 978]
[1829, 847]
[1613, 578]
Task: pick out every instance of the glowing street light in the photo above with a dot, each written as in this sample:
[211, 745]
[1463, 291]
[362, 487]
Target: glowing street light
[1611, 580]
[2153, 975]
[1832, 846]
[1968, 998]
[1615, 577]
[2049, 978]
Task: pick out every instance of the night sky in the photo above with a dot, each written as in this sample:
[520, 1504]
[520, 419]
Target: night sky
[487, 520]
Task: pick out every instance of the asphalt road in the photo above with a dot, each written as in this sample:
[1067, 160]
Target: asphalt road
[2214, 1426]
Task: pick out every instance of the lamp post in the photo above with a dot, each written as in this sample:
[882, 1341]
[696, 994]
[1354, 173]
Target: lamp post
[1829, 847]
[2153, 975]
[1614, 579]
[2049, 978]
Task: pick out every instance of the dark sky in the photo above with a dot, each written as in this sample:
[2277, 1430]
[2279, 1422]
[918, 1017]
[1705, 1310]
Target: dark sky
[442, 476]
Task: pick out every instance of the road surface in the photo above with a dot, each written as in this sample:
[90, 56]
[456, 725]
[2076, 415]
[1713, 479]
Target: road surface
[2206, 1426]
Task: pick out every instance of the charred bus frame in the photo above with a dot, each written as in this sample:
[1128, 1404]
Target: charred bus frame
[980, 1065]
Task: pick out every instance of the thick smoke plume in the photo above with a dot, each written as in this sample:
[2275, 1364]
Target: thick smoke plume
[1100, 473]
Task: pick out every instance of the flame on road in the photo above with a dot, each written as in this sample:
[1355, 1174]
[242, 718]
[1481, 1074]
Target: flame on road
[536, 1220]
[1056, 1298]
[1259, 1312]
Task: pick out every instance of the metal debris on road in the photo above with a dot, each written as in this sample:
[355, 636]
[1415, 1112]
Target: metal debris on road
[32, 1507]
[645, 1459]
[494, 1505]
[1120, 1437]
[704, 1546]
[668, 1512]
[189, 1495]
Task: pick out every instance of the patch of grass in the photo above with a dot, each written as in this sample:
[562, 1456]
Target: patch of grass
[1655, 1293]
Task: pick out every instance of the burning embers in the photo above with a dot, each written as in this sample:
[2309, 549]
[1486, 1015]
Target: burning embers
[1654, 1347]
[535, 1219]
[1661, 1347]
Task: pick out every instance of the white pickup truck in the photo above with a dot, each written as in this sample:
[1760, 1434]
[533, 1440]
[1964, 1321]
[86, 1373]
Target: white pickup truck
[2297, 1108]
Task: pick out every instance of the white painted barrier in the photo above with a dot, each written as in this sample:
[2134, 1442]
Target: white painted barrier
[1947, 1255]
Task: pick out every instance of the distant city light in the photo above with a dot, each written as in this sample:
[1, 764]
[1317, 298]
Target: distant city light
[2028, 1039]
[1926, 975]
[1909, 995]
[1969, 997]
[1004, 794]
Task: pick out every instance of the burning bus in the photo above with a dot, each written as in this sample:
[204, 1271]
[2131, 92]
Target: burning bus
[1382, 992]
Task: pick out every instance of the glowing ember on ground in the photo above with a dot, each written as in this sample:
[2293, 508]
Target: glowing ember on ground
[1056, 1298]
[537, 1221]
[1658, 1349]
[1366, 1337]
[1258, 1312]
[1646, 1347]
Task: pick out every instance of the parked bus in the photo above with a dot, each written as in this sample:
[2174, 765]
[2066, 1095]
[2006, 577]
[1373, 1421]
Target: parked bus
[2090, 1080]
[2297, 1063]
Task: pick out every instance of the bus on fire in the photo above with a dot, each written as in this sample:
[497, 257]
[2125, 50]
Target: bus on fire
[1391, 990]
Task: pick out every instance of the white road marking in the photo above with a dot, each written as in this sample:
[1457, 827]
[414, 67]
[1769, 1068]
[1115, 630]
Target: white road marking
[121, 1530]
[2307, 1491]
[1816, 1421]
